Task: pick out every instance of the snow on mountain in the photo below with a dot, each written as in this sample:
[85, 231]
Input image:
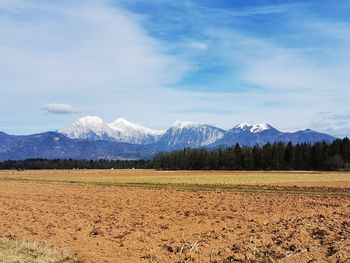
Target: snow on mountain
[260, 127]
[252, 128]
[90, 128]
[91, 138]
[121, 130]
[184, 134]
[250, 135]
[243, 126]
[246, 134]
[184, 124]
[134, 133]
[126, 126]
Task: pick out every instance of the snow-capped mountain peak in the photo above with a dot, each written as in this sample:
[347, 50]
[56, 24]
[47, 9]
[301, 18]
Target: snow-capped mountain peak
[121, 130]
[122, 121]
[243, 126]
[252, 128]
[93, 121]
[183, 124]
[308, 130]
[260, 127]
[89, 127]
[123, 125]
[184, 134]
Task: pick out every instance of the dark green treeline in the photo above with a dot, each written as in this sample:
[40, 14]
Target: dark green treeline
[277, 156]
[41, 164]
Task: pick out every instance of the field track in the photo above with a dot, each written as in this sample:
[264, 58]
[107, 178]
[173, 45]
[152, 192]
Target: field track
[69, 210]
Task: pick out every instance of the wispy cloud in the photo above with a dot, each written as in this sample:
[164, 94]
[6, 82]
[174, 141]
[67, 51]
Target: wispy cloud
[85, 51]
[58, 108]
[333, 116]
[158, 61]
[73, 44]
[197, 45]
[337, 123]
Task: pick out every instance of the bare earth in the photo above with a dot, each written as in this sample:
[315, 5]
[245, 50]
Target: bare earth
[138, 224]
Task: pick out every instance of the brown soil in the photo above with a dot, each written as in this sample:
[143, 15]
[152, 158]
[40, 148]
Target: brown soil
[128, 224]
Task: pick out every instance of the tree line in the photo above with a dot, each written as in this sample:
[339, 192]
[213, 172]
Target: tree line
[45, 164]
[276, 156]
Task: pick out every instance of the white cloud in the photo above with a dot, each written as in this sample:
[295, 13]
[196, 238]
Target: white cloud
[198, 45]
[266, 63]
[332, 122]
[58, 108]
[80, 45]
[88, 52]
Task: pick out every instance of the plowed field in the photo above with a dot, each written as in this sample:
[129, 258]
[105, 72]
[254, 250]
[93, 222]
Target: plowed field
[217, 221]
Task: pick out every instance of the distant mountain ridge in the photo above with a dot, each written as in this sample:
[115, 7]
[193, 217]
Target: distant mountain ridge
[121, 130]
[53, 145]
[92, 138]
[184, 134]
[261, 134]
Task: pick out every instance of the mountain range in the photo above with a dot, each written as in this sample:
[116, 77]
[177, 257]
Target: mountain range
[92, 138]
[121, 130]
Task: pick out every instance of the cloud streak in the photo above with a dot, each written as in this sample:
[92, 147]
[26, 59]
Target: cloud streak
[58, 108]
[332, 122]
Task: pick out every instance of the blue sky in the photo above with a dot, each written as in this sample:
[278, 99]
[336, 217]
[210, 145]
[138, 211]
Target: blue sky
[220, 62]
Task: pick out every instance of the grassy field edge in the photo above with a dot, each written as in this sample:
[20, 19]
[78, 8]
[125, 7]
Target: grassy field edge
[29, 252]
